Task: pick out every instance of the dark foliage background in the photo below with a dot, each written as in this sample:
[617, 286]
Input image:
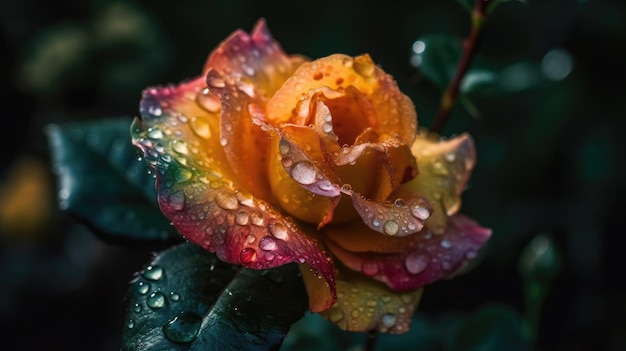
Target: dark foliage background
[550, 150]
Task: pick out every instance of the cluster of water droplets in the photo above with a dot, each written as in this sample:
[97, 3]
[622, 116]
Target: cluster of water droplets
[181, 329]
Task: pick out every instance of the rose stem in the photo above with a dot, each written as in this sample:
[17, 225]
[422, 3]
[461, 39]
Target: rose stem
[470, 46]
[370, 342]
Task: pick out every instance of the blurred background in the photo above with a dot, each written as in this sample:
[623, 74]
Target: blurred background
[548, 136]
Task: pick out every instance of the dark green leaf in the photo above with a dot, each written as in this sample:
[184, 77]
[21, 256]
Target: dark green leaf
[492, 328]
[467, 4]
[495, 3]
[102, 183]
[187, 299]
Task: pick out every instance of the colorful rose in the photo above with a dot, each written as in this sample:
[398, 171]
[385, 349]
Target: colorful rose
[268, 159]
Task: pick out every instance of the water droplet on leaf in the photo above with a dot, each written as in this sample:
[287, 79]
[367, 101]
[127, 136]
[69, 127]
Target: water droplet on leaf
[183, 329]
[156, 300]
[153, 272]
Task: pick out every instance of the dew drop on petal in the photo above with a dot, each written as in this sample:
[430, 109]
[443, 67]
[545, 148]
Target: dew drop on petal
[177, 200]
[286, 161]
[304, 173]
[153, 272]
[388, 320]
[180, 147]
[242, 218]
[420, 212]
[267, 243]
[391, 227]
[446, 244]
[369, 268]
[279, 230]
[201, 127]
[247, 255]
[227, 200]
[336, 316]
[208, 101]
[216, 82]
[416, 262]
[156, 300]
[256, 219]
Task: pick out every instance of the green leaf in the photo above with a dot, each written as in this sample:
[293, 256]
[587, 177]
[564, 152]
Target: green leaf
[494, 327]
[187, 299]
[102, 183]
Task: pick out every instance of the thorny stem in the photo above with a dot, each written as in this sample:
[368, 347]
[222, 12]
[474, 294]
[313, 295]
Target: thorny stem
[470, 47]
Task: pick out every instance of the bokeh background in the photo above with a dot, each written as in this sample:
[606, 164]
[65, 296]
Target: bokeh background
[549, 138]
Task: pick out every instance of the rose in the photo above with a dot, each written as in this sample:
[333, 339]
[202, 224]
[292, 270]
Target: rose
[268, 159]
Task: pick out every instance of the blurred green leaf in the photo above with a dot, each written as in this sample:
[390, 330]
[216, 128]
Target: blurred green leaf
[495, 3]
[187, 299]
[540, 260]
[467, 4]
[314, 333]
[494, 327]
[102, 183]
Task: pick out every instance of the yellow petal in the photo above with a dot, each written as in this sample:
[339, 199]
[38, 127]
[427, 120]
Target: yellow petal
[444, 169]
[366, 305]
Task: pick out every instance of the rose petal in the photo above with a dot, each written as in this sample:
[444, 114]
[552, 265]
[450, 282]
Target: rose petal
[394, 111]
[199, 193]
[244, 70]
[444, 169]
[426, 259]
[397, 219]
[365, 305]
[255, 63]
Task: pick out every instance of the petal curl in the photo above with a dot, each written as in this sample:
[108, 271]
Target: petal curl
[247, 69]
[255, 63]
[425, 257]
[444, 170]
[365, 305]
[394, 111]
[200, 194]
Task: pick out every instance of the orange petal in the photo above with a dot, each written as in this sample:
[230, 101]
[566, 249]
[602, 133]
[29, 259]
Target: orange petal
[365, 305]
[394, 112]
[198, 192]
[444, 169]
[244, 70]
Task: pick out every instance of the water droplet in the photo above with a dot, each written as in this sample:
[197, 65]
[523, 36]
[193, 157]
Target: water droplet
[388, 320]
[336, 316]
[420, 212]
[223, 141]
[450, 156]
[391, 227]
[227, 200]
[242, 218]
[286, 161]
[304, 172]
[247, 255]
[156, 300]
[183, 329]
[180, 147]
[200, 127]
[471, 254]
[279, 230]
[325, 185]
[216, 82]
[174, 296]
[416, 262]
[256, 219]
[284, 147]
[267, 243]
[137, 308]
[143, 288]
[182, 175]
[208, 101]
[155, 133]
[130, 324]
[355, 313]
[446, 244]
[369, 268]
[177, 200]
[153, 272]
[364, 66]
